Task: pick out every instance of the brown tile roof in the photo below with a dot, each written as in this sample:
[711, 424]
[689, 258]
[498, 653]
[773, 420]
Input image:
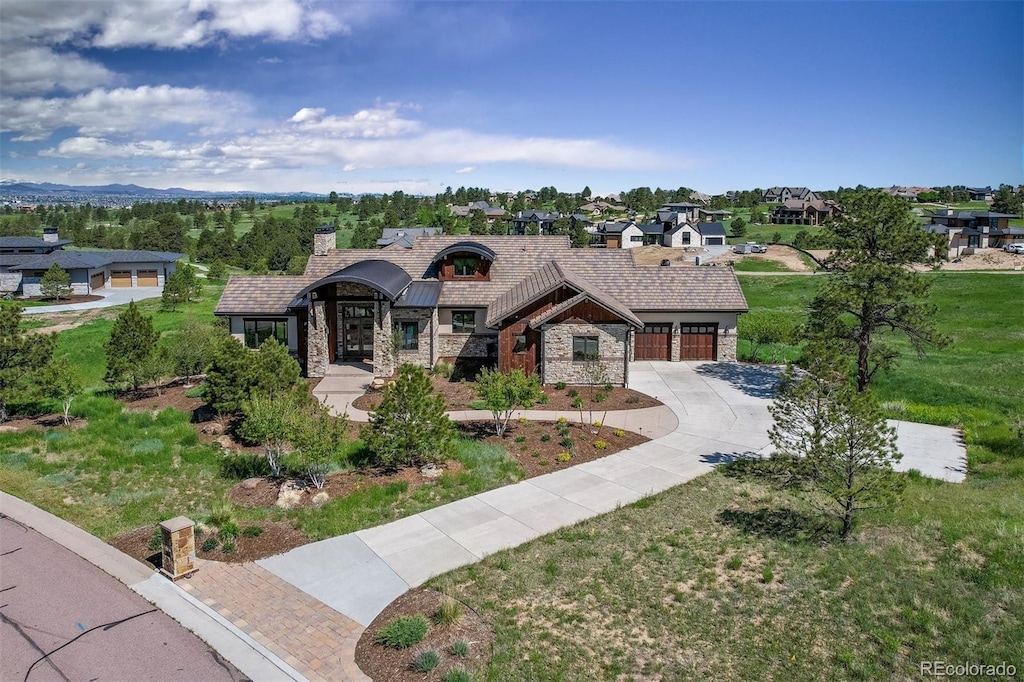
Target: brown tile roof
[612, 271]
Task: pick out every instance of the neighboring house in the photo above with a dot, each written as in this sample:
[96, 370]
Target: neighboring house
[974, 230]
[981, 194]
[402, 237]
[797, 212]
[781, 194]
[532, 303]
[534, 220]
[492, 213]
[24, 261]
[720, 214]
[700, 197]
[685, 211]
[909, 193]
[668, 232]
[598, 208]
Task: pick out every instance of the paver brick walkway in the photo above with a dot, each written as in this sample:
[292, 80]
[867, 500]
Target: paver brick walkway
[307, 634]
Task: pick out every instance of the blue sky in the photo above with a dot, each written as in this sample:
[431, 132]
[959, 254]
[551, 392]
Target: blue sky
[286, 95]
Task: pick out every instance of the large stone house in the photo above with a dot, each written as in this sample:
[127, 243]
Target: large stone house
[532, 303]
[779, 194]
[969, 230]
[24, 261]
[800, 212]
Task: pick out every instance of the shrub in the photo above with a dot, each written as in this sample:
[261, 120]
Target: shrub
[520, 439]
[457, 675]
[573, 393]
[460, 647]
[425, 661]
[560, 386]
[632, 400]
[402, 632]
[608, 387]
[598, 424]
[766, 575]
[543, 399]
[543, 462]
[444, 369]
[228, 531]
[563, 456]
[252, 531]
[410, 426]
[545, 438]
[523, 420]
[600, 445]
[566, 442]
[618, 433]
[577, 403]
[600, 397]
[209, 544]
[563, 420]
[448, 612]
[734, 562]
[228, 547]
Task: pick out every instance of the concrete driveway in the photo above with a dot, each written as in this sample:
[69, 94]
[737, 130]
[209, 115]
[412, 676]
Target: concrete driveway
[111, 297]
[721, 412]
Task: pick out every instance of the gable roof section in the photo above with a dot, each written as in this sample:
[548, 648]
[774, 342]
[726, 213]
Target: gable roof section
[625, 313]
[545, 280]
[259, 295]
[711, 229]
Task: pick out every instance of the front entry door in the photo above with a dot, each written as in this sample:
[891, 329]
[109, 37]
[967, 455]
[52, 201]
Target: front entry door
[357, 337]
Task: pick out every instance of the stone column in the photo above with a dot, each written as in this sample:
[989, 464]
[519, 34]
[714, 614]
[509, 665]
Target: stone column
[179, 547]
[677, 342]
[727, 345]
[317, 353]
[383, 340]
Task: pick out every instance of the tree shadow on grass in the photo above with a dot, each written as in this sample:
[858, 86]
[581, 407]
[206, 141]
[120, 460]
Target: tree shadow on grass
[759, 381]
[786, 524]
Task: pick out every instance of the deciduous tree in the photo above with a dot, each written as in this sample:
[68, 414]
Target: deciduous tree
[59, 381]
[505, 392]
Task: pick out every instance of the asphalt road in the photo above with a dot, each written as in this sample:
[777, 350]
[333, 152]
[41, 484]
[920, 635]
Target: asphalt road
[61, 618]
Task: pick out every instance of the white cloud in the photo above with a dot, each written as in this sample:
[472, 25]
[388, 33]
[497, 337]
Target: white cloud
[33, 70]
[382, 121]
[122, 110]
[467, 169]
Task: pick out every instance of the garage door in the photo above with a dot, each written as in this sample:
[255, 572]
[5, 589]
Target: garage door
[97, 281]
[120, 278]
[714, 241]
[148, 278]
[653, 343]
[697, 342]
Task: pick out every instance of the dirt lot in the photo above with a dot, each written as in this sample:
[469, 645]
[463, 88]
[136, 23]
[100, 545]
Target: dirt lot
[789, 258]
[987, 259]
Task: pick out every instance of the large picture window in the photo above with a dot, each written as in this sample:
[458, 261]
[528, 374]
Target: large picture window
[258, 331]
[463, 321]
[408, 335]
[584, 348]
[465, 266]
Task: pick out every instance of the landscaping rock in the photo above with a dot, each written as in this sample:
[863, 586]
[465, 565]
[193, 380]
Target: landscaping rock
[431, 471]
[226, 442]
[320, 498]
[290, 495]
[251, 483]
[212, 428]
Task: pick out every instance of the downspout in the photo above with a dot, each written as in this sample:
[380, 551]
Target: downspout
[625, 356]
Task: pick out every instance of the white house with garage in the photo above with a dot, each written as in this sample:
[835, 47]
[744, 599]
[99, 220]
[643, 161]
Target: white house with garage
[24, 261]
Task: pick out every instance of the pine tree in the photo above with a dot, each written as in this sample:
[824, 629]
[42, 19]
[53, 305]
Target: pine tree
[410, 426]
[55, 283]
[22, 356]
[130, 348]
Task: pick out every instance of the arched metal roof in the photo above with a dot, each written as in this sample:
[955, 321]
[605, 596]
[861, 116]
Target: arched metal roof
[466, 247]
[385, 277]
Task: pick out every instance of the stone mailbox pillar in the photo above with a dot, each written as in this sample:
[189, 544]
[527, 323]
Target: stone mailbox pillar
[179, 553]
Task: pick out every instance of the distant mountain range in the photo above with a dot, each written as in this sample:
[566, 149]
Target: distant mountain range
[8, 187]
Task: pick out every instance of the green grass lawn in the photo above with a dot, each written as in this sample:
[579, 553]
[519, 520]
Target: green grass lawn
[724, 578]
[759, 265]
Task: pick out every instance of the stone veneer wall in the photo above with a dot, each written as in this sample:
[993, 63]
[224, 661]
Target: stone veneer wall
[422, 356]
[383, 340]
[558, 364]
[10, 281]
[323, 242]
[467, 345]
[726, 345]
[317, 352]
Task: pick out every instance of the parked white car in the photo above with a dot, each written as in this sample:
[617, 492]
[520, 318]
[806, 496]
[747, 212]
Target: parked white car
[1014, 248]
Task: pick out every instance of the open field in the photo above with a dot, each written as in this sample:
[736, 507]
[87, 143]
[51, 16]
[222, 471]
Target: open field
[724, 578]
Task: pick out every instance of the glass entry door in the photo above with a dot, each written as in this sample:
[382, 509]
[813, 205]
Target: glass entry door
[356, 340]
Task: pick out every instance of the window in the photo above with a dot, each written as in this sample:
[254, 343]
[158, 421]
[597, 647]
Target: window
[584, 348]
[520, 344]
[463, 321]
[465, 266]
[258, 331]
[408, 335]
[636, 238]
[686, 236]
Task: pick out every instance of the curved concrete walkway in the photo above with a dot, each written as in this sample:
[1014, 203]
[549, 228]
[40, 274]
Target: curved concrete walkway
[719, 411]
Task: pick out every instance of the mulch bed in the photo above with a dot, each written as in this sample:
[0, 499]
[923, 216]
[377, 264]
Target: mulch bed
[171, 394]
[42, 421]
[275, 537]
[525, 441]
[459, 394]
[382, 663]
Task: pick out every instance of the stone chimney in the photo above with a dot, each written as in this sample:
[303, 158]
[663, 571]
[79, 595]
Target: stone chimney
[50, 234]
[323, 240]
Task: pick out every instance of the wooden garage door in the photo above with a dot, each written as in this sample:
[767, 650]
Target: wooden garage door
[120, 278]
[697, 342]
[148, 278]
[653, 343]
[97, 281]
